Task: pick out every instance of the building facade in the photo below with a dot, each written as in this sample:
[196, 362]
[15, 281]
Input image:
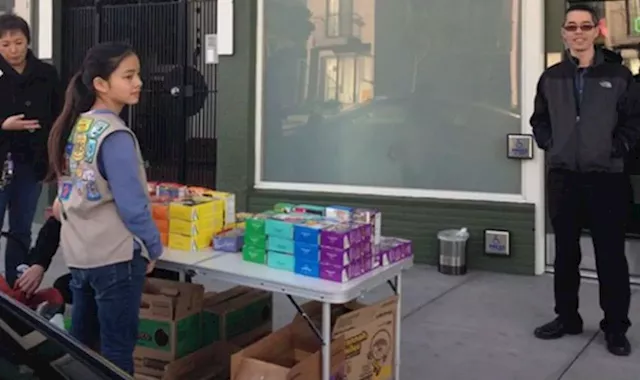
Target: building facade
[405, 108]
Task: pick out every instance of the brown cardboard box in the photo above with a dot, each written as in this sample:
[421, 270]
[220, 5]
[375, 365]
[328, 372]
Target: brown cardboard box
[237, 311]
[208, 363]
[170, 320]
[291, 353]
[249, 338]
[368, 333]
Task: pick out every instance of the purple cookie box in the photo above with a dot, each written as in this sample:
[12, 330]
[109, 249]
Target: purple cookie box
[340, 257]
[228, 243]
[403, 246]
[334, 273]
[341, 236]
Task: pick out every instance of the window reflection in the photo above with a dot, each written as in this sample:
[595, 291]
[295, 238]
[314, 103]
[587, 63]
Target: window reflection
[403, 93]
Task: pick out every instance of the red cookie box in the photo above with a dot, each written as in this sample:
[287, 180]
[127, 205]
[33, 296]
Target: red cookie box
[151, 187]
[171, 190]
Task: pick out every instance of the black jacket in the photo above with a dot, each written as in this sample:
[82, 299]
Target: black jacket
[36, 93]
[47, 243]
[591, 132]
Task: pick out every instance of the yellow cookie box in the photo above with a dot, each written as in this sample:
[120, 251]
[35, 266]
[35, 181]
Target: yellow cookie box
[190, 243]
[198, 208]
[196, 227]
[229, 200]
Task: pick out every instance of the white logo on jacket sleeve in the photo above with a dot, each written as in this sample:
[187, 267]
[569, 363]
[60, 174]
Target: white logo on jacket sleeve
[606, 84]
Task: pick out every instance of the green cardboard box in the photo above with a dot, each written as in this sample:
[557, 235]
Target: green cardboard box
[256, 241]
[170, 320]
[237, 311]
[254, 255]
[255, 225]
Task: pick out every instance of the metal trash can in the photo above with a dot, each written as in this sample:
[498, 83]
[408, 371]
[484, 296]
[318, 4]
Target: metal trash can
[453, 251]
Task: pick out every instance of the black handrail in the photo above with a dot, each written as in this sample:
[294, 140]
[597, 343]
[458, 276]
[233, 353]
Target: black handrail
[100, 367]
[10, 307]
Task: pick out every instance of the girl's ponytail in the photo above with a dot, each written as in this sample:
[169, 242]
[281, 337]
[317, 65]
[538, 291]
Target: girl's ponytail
[79, 98]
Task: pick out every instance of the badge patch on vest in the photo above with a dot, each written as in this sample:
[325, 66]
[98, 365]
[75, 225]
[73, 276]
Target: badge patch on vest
[83, 124]
[68, 149]
[97, 129]
[79, 141]
[89, 181]
[91, 150]
[65, 191]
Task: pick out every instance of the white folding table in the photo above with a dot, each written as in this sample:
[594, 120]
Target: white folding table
[230, 267]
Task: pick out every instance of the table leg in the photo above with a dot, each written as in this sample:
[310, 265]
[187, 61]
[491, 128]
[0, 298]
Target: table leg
[182, 276]
[326, 337]
[398, 283]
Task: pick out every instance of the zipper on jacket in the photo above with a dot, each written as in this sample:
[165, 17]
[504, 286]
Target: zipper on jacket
[578, 97]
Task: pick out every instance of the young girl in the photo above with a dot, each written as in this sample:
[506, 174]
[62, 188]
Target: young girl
[108, 238]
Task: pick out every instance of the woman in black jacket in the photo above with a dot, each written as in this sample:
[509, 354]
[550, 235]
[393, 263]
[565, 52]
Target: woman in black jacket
[30, 99]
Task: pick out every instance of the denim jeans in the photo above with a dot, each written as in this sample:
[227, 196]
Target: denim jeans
[106, 305]
[21, 198]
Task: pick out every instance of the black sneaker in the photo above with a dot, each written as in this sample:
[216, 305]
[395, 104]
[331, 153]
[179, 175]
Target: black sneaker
[618, 344]
[557, 329]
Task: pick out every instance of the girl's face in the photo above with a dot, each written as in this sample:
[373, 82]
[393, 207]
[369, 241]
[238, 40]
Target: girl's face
[124, 84]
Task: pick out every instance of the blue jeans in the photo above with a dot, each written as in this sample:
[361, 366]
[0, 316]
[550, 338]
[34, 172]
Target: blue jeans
[21, 198]
[106, 305]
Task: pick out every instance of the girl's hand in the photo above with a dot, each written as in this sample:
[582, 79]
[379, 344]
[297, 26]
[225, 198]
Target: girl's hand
[31, 279]
[151, 265]
[55, 209]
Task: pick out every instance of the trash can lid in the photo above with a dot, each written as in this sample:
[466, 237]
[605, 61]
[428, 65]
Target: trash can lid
[453, 235]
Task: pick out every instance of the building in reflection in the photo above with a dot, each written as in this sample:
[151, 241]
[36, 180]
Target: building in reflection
[340, 51]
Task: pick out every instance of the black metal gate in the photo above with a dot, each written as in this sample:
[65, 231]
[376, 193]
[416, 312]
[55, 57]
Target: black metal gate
[175, 119]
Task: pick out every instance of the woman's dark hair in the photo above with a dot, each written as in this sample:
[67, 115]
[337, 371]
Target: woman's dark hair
[13, 23]
[100, 61]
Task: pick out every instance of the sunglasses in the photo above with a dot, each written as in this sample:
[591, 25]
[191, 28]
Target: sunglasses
[584, 28]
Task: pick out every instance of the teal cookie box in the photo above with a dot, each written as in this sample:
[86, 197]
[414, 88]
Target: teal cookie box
[282, 261]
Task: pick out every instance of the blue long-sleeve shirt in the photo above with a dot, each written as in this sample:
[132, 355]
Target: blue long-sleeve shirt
[117, 153]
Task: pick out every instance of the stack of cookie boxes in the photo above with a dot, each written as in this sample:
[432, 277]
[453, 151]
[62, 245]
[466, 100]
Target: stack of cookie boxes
[193, 222]
[334, 243]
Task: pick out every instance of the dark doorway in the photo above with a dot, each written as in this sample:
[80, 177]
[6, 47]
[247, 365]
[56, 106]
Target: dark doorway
[175, 119]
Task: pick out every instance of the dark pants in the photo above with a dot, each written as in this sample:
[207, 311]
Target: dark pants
[106, 305]
[600, 202]
[20, 197]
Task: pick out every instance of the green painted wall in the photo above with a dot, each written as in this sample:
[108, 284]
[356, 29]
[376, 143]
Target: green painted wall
[416, 219]
[421, 219]
[235, 107]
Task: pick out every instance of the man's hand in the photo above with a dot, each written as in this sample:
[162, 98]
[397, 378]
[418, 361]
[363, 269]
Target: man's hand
[151, 265]
[31, 279]
[18, 123]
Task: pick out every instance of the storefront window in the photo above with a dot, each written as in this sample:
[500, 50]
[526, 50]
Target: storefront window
[413, 94]
[6, 6]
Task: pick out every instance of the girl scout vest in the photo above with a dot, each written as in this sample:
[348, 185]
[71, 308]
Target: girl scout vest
[93, 234]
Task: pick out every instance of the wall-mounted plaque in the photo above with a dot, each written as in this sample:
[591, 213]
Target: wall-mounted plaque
[520, 146]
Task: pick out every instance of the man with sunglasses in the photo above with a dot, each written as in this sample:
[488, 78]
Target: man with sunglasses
[587, 119]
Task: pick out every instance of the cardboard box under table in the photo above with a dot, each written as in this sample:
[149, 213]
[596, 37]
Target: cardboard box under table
[170, 320]
[235, 312]
[368, 332]
[208, 363]
[291, 353]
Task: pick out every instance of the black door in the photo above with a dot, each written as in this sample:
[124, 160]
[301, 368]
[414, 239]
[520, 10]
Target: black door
[175, 119]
